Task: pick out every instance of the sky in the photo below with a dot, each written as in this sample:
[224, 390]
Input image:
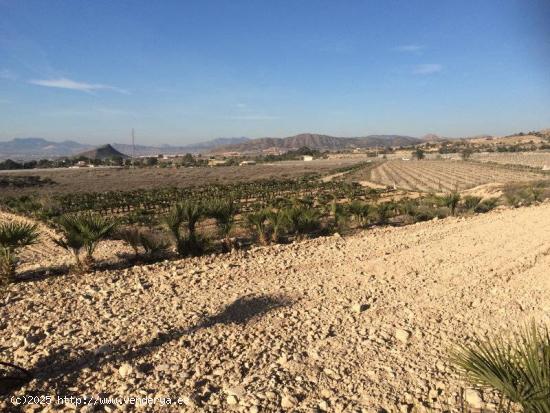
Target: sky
[187, 71]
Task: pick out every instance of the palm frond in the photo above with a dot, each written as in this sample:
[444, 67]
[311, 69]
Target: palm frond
[518, 368]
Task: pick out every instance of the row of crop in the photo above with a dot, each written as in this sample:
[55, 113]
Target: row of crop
[146, 203]
[185, 233]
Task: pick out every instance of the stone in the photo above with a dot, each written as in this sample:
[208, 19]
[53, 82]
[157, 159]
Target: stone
[232, 399]
[125, 370]
[402, 335]
[288, 402]
[359, 308]
[473, 398]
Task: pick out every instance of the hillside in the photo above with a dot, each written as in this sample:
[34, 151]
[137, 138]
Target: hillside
[38, 148]
[144, 150]
[362, 323]
[320, 142]
[102, 152]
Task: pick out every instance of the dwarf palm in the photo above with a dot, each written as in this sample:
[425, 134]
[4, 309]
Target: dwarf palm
[360, 211]
[257, 221]
[13, 237]
[383, 211]
[518, 369]
[302, 220]
[223, 211]
[451, 201]
[471, 202]
[84, 231]
[278, 222]
[340, 215]
[188, 213]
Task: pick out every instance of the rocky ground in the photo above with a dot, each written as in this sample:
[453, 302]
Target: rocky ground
[356, 324]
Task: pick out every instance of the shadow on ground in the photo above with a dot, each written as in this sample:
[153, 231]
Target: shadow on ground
[61, 368]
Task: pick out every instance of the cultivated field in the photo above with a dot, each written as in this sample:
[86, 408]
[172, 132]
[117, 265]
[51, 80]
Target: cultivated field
[440, 176]
[96, 180]
[356, 324]
[532, 159]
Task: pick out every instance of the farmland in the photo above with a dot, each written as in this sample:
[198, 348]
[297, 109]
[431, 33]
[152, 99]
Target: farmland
[441, 176]
[532, 159]
[97, 180]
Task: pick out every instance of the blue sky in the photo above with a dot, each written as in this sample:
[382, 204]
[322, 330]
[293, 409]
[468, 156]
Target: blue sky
[186, 71]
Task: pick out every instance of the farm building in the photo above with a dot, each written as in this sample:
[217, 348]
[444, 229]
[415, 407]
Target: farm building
[244, 163]
[217, 162]
[308, 158]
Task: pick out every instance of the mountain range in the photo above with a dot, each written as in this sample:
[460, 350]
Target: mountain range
[320, 142]
[39, 148]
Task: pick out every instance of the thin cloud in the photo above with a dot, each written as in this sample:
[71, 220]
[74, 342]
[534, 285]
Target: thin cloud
[252, 117]
[64, 83]
[427, 69]
[7, 74]
[91, 112]
[410, 48]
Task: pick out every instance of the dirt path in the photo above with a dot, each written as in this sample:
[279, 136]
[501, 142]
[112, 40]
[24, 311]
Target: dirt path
[275, 329]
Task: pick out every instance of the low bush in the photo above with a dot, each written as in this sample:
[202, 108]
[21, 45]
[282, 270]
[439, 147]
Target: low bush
[145, 244]
[486, 205]
[470, 203]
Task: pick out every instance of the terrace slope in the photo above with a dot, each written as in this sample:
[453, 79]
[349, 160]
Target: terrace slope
[274, 327]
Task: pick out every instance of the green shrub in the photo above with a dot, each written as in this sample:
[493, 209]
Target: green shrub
[257, 222]
[302, 220]
[486, 205]
[451, 201]
[188, 214]
[278, 222]
[84, 231]
[470, 202]
[360, 211]
[13, 237]
[151, 244]
[517, 368]
[384, 212]
[223, 211]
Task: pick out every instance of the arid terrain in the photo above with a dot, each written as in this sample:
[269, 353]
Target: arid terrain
[355, 324]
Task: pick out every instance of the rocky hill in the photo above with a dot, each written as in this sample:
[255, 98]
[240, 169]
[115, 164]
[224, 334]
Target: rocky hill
[102, 152]
[320, 142]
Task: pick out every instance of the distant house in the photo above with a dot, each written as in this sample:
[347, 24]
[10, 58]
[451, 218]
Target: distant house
[217, 162]
[244, 163]
[308, 158]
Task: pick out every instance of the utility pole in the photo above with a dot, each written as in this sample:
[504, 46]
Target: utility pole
[133, 148]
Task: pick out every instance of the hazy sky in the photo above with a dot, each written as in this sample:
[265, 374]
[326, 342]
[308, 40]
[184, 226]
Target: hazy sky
[185, 71]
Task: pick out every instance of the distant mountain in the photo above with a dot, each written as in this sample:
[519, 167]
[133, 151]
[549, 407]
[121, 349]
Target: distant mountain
[319, 142]
[144, 150]
[38, 148]
[102, 152]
